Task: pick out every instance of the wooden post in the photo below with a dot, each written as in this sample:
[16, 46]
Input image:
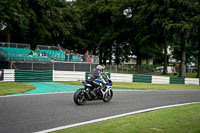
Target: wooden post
[53, 65]
[74, 67]
[11, 64]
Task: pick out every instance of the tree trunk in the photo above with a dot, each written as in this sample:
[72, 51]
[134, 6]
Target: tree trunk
[117, 59]
[198, 75]
[183, 57]
[100, 54]
[165, 57]
[110, 55]
[9, 33]
[104, 60]
[139, 64]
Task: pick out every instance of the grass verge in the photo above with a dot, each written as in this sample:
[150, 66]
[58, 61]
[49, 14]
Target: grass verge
[188, 75]
[182, 119]
[144, 86]
[7, 88]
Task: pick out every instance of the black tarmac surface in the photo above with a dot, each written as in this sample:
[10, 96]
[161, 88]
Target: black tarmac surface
[31, 113]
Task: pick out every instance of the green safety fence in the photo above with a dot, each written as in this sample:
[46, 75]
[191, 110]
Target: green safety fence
[177, 80]
[33, 76]
[142, 78]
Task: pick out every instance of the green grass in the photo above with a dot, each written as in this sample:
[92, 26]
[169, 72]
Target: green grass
[145, 86]
[149, 86]
[182, 119]
[7, 88]
[188, 75]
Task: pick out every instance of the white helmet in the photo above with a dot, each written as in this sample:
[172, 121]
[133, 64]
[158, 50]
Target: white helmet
[100, 68]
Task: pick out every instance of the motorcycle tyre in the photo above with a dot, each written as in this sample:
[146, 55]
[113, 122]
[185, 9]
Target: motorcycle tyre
[76, 97]
[108, 100]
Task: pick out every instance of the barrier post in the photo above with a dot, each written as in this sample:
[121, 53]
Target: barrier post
[53, 65]
[74, 67]
[11, 63]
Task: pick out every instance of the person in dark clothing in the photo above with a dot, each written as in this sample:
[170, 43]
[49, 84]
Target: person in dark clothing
[71, 54]
[67, 54]
[96, 79]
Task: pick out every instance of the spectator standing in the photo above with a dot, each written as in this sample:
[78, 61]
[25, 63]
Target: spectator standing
[86, 55]
[67, 54]
[71, 54]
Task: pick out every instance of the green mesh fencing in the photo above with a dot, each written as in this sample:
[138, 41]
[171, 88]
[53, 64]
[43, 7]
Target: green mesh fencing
[142, 78]
[33, 76]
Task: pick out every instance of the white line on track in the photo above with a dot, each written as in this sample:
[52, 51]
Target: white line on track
[74, 91]
[111, 117]
[36, 94]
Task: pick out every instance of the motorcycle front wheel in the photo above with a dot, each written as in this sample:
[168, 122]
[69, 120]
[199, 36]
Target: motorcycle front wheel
[79, 97]
[108, 96]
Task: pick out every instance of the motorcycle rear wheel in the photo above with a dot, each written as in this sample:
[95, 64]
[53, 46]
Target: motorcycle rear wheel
[108, 96]
[79, 97]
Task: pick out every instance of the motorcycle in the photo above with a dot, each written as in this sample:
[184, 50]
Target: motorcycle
[103, 92]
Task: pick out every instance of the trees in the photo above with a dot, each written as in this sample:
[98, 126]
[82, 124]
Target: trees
[182, 26]
[54, 22]
[196, 31]
[112, 29]
[13, 16]
[183, 29]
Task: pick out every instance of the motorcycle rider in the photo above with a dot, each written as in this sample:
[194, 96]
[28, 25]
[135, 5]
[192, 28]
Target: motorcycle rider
[97, 80]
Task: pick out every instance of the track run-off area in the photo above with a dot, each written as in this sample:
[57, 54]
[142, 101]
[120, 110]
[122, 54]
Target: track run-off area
[40, 110]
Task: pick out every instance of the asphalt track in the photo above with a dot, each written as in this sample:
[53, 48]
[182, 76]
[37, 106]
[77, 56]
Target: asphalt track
[32, 113]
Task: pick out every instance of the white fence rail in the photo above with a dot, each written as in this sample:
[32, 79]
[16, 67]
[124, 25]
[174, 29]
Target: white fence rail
[191, 81]
[9, 75]
[68, 76]
[160, 80]
[118, 77]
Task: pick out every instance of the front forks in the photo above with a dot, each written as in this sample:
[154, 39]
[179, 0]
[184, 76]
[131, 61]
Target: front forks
[106, 91]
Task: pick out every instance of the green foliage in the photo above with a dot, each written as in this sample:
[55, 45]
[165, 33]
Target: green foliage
[14, 16]
[108, 28]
